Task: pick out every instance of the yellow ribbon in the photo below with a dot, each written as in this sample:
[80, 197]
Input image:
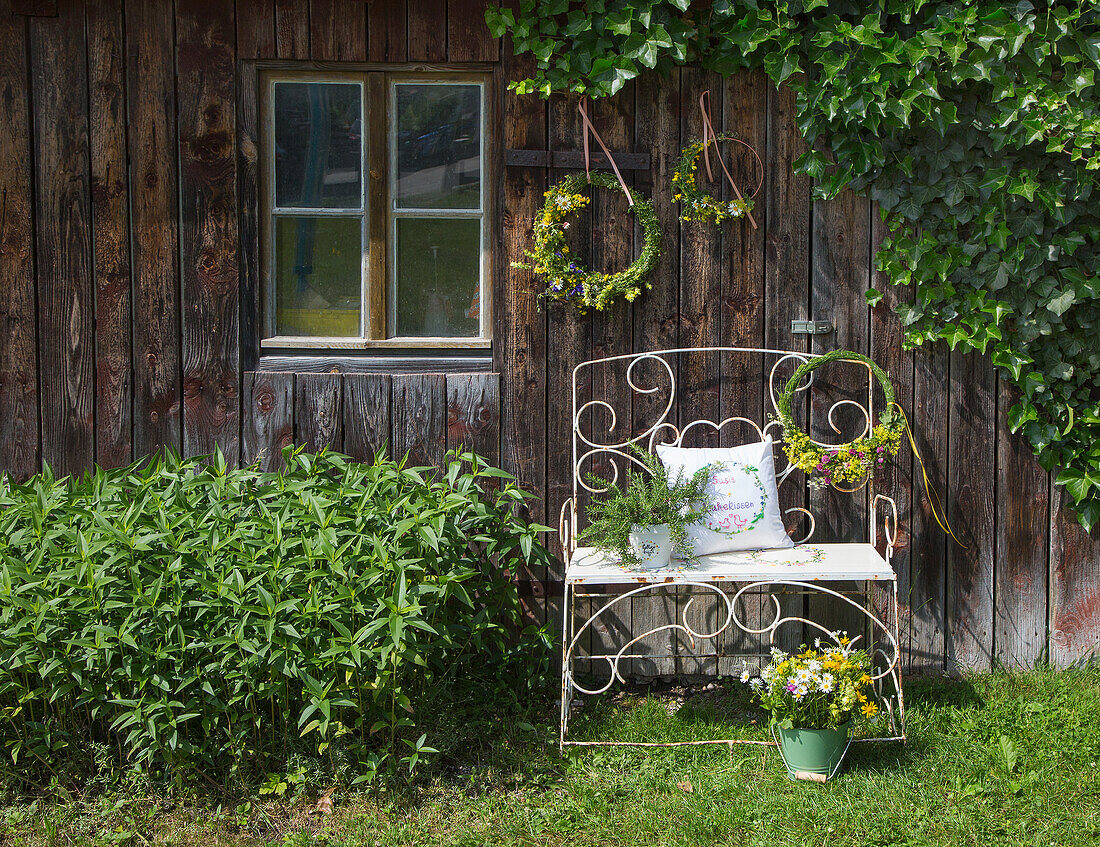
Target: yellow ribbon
[934, 503]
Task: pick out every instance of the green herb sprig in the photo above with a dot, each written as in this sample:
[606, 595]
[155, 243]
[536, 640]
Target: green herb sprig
[649, 498]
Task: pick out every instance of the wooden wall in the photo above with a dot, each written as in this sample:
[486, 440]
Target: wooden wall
[128, 252]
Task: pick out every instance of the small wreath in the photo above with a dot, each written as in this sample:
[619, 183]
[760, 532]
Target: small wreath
[567, 279]
[847, 463]
[696, 204]
[753, 473]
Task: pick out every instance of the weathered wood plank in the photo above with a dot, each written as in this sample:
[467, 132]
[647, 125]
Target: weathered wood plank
[1022, 564]
[18, 341]
[209, 267]
[656, 326]
[367, 415]
[896, 480]
[268, 424]
[971, 422]
[151, 103]
[388, 37]
[928, 559]
[787, 211]
[110, 232]
[519, 326]
[840, 279]
[468, 38]
[568, 339]
[612, 331]
[318, 416]
[66, 352]
[427, 31]
[473, 414]
[420, 418]
[741, 306]
[703, 276]
[292, 29]
[1074, 585]
[255, 39]
[256, 30]
[338, 30]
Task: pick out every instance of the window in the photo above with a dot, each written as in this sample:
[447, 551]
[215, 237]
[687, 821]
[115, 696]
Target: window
[375, 199]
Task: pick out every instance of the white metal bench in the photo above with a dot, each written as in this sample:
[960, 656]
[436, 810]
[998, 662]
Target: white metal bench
[748, 592]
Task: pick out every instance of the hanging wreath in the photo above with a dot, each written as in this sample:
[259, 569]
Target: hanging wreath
[567, 278]
[698, 205]
[847, 463]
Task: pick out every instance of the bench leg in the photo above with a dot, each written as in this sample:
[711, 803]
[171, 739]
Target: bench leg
[566, 638]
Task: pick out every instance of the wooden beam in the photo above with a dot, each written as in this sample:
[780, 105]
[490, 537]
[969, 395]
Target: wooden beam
[209, 241]
[268, 424]
[18, 343]
[66, 351]
[151, 124]
[111, 233]
[574, 159]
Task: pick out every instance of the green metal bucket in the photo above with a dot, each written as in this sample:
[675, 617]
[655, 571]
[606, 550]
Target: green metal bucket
[813, 753]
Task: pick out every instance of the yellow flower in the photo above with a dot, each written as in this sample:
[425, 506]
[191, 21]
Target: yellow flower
[869, 710]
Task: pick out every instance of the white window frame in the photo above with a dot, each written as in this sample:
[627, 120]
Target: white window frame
[376, 328]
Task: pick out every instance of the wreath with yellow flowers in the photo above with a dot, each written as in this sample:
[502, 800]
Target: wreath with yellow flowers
[568, 280]
[843, 464]
[696, 204]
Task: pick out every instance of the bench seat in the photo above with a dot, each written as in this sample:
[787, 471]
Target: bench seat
[804, 562]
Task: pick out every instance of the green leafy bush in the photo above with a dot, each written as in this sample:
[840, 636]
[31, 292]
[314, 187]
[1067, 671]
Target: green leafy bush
[204, 619]
[974, 126]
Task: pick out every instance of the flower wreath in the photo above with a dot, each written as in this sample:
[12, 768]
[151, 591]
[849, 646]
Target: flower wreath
[567, 279]
[844, 463]
[696, 204]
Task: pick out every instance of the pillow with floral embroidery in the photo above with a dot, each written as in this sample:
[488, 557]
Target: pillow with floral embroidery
[744, 513]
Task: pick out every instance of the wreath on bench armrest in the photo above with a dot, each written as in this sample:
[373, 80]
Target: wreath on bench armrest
[568, 280]
[842, 464]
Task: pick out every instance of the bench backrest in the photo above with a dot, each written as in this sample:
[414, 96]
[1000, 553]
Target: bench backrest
[708, 397]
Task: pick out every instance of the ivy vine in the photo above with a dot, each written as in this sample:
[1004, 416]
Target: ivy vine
[974, 126]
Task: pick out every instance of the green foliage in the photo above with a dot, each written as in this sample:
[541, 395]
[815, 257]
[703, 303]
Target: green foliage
[567, 279]
[649, 498]
[201, 619]
[974, 126]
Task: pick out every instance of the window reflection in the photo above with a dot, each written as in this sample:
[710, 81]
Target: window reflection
[438, 146]
[318, 145]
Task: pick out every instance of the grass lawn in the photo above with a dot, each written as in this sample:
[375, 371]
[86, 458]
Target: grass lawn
[1007, 758]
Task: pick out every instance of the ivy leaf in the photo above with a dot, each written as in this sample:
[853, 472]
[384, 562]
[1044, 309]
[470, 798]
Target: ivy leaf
[1060, 304]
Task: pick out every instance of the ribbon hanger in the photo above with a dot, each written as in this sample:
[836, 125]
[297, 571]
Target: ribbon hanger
[588, 127]
[710, 135]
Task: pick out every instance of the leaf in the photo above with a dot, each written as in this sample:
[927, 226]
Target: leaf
[685, 786]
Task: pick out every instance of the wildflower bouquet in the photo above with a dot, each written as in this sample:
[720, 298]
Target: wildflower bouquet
[819, 688]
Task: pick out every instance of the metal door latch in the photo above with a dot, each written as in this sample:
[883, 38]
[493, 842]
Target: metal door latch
[811, 327]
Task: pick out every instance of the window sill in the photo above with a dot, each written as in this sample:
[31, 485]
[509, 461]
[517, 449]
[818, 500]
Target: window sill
[295, 343]
[395, 364]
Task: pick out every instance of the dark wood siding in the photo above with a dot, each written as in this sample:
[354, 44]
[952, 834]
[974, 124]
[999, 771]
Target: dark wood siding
[129, 183]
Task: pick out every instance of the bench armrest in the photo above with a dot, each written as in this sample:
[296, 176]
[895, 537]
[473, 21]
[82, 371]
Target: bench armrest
[567, 526]
[889, 523]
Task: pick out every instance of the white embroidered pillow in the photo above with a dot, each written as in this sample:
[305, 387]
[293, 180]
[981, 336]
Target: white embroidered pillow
[744, 511]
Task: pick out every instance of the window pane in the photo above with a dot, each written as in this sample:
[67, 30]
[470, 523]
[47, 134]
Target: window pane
[318, 144]
[438, 146]
[438, 290]
[318, 274]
